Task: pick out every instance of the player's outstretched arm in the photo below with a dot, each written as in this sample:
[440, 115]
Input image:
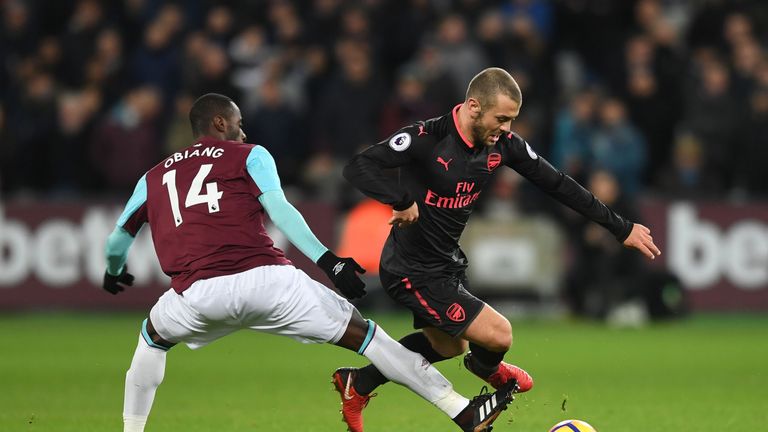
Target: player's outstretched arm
[564, 189]
[342, 271]
[640, 238]
[116, 277]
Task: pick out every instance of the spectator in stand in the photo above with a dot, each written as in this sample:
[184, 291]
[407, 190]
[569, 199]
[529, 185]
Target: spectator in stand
[287, 26]
[687, 176]
[156, 61]
[412, 19]
[77, 110]
[356, 25]
[31, 126]
[617, 147]
[19, 34]
[746, 57]
[408, 104]
[439, 87]
[654, 118]
[752, 174]
[574, 130]
[635, 50]
[323, 27]
[179, 135]
[214, 73]
[273, 125]
[127, 142]
[538, 12]
[4, 152]
[84, 26]
[107, 67]
[460, 57]
[219, 25]
[604, 273]
[712, 113]
[49, 56]
[250, 52]
[348, 111]
[493, 38]
[346, 119]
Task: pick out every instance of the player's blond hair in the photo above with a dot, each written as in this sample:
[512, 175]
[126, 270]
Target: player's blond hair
[491, 82]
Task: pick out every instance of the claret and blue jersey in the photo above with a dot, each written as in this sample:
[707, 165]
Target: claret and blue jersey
[206, 221]
[445, 173]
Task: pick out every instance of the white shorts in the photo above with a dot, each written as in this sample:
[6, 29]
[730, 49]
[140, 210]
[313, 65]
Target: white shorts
[280, 300]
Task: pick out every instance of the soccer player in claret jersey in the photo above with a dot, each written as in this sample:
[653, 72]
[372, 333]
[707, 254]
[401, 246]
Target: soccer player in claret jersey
[205, 206]
[444, 164]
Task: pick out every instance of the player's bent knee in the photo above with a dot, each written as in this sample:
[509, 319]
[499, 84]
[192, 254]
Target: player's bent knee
[502, 337]
[357, 333]
[152, 338]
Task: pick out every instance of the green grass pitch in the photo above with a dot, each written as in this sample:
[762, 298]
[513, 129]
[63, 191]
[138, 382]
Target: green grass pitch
[65, 372]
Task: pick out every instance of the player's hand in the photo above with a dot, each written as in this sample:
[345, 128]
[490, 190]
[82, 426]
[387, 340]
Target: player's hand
[640, 239]
[403, 218]
[115, 284]
[343, 273]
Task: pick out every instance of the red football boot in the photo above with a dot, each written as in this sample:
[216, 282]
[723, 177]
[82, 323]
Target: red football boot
[352, 403]
[505, 372]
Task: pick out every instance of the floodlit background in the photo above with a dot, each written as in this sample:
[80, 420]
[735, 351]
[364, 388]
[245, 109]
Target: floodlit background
[660, 107]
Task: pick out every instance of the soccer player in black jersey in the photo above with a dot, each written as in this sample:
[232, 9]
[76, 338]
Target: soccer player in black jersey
[444, 164]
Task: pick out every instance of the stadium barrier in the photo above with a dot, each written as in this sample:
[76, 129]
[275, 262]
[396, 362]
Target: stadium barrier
[51, 255]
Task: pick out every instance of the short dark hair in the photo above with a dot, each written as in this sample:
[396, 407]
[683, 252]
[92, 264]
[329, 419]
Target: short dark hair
[205, 108]
[490, 82]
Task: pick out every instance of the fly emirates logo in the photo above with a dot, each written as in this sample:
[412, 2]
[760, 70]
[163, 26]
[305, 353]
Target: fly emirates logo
[464, 197]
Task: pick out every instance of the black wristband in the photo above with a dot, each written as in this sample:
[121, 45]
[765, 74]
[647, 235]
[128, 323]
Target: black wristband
[327, 261]
[402, 206]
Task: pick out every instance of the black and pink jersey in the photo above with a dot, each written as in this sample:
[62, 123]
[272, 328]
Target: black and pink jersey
[442, 171]
[201, 205]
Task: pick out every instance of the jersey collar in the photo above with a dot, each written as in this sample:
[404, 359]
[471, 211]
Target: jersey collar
[455, 113]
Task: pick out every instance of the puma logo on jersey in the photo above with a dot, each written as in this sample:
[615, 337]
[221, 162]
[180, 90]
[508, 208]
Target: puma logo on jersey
[421, 130]
[338, 268]
[443, 161]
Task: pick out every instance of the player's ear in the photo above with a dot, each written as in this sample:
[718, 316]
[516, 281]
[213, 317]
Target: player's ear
[220, 123]
[474, 106]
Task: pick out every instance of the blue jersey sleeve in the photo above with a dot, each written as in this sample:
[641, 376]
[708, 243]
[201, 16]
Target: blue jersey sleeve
[118, 243]
[138, 199]
[292, 224]
[262, 169]
[120, 240]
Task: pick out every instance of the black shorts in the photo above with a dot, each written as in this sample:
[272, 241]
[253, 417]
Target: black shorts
[442, 302]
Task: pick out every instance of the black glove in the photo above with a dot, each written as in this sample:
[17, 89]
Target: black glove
[342, 272]
[114, 284]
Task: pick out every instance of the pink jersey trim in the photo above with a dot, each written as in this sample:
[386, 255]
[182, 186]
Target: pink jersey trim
[456, 123]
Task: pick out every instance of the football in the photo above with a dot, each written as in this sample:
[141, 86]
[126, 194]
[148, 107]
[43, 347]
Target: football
[572, 426]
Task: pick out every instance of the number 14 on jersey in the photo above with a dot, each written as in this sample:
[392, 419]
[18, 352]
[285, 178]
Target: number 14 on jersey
[194, 196]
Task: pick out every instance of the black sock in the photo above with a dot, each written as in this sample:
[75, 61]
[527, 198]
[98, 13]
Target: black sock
[368, 378]
[484, 363]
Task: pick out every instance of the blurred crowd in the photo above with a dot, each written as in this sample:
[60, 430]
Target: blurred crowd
[664, 97]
